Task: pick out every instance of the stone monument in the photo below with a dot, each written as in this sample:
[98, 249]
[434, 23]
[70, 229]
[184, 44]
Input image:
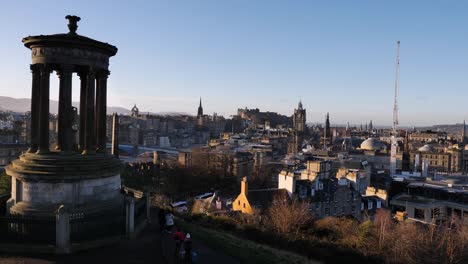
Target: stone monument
[82, 177]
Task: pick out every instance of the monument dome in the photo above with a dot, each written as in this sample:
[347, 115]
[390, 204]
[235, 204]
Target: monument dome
[371, 144]
[426, 148]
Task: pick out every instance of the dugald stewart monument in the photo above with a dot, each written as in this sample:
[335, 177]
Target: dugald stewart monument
[78, 174]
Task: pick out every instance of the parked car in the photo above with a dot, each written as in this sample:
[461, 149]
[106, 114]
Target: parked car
[179, 207]
[204, 196]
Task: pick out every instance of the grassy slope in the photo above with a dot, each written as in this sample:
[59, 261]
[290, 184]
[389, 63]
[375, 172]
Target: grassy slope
[244, 250]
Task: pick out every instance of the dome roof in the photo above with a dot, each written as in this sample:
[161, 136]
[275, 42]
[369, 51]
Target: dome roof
[426, 148]
[371, 144]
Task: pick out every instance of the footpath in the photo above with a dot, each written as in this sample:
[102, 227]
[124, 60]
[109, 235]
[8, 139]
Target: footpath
[148, 247]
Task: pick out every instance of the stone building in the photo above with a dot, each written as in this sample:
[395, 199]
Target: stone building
[327, 195]
[432, 202]
[256, 117]
[225, 162]
[438, 159]
[335, 197]
[427, 136]
[299, 119]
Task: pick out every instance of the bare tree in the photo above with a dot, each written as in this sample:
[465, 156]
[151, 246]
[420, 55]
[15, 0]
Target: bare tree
[384, 225]
[288, 216]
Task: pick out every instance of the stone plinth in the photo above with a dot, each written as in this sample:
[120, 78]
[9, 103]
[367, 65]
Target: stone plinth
[84, 183]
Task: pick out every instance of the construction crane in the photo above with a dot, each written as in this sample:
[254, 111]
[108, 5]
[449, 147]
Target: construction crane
[393, 150]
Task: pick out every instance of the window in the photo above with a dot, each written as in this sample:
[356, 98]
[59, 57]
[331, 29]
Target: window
[369, 205]
[362, 206]
[379, 204]
[244, 205]
[238, 202]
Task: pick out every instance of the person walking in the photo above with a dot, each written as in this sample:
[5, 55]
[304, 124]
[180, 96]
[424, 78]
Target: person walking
[188, 248]
[169, 221]
[179, 239]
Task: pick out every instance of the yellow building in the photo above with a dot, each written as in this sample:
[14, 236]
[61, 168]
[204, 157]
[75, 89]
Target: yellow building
[242, 203]
[248, 201]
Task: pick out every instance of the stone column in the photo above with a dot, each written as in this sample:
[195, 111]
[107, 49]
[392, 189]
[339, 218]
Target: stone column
[115, 135]
[65, 112]
[101, 109]
[36, 86]
[82, 125]
[44, 110]
[62, 231]
[90, 139]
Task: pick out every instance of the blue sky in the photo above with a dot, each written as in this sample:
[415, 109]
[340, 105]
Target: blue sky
[338, 56]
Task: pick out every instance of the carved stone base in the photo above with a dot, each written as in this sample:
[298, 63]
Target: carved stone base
[41, 183]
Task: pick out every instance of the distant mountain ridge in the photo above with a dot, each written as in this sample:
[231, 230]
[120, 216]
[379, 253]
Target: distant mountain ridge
[23, 105]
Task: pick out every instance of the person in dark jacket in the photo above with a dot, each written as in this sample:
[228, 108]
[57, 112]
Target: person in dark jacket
[188, 248]
[179, 239]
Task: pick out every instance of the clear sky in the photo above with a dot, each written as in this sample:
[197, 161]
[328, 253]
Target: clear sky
[338, 56]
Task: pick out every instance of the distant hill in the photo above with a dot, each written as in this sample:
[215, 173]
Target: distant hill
[22, 105]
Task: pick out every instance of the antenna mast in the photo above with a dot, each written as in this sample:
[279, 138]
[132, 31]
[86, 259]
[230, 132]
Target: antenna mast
[394, 146]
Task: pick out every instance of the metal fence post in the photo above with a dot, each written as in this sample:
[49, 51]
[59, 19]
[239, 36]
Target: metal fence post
[130, 217]
[62, 231]
[148, 207]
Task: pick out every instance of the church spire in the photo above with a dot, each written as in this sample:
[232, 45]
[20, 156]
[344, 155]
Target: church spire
[299, 106]
[327, 126]
[200, 109]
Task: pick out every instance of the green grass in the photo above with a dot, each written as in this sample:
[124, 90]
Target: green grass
[241, 249]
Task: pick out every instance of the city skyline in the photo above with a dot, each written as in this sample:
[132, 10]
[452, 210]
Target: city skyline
[266, 55]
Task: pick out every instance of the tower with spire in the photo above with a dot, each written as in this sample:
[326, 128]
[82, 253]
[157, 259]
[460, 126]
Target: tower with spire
[299, 118]
[327, 134]
[135, 111]
[200, 117]
[200, 109]
[463, 133]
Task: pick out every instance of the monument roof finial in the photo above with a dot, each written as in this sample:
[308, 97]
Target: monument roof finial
[72, 23]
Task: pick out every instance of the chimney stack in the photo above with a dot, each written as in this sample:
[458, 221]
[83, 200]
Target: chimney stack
[244, 186]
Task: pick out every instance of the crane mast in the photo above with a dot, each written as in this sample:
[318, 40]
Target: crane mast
[397, 81]
[393, 150]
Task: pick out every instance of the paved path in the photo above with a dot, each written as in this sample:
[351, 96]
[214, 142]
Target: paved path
[149, 247]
